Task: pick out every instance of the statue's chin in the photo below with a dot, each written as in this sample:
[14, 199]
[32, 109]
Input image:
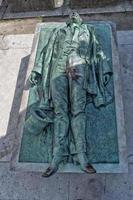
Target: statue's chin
[73, 20]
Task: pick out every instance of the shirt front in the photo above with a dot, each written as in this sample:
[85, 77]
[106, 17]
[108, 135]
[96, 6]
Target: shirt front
[70, 55]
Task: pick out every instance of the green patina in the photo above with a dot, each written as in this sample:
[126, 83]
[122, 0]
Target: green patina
[101, 131]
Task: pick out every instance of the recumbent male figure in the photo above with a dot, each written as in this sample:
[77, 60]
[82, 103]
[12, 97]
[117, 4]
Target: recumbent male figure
[71, 67]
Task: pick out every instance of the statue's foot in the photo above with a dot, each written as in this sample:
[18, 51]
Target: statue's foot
[89, 169]
[49, 171]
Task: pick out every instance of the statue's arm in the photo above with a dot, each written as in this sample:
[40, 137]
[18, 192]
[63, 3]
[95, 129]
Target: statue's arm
[38, 64]
[106, 69]
[36, 74]
[101, 60]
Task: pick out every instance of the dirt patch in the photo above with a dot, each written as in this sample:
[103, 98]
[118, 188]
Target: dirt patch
[25, 26]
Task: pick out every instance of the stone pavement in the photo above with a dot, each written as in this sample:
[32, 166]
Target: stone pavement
[14, 55]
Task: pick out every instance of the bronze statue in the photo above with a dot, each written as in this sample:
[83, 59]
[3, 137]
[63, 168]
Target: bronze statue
[72, 71]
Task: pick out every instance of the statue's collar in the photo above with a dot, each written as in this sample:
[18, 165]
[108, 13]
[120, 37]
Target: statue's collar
[68, 23]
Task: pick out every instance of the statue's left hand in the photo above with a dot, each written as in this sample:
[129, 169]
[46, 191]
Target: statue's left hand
[106, 78]
[34, 78]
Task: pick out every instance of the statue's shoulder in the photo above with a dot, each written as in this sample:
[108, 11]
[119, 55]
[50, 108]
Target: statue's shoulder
[88, 28]
[57, 29]
[62, 28]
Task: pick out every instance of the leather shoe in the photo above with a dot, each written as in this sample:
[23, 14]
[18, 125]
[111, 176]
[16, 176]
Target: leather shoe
[49, 171]
[89, 169]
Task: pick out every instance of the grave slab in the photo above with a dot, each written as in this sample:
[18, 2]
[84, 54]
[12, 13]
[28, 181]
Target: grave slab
[120, 166]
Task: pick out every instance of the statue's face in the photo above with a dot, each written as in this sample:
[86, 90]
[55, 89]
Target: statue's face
[75, 18]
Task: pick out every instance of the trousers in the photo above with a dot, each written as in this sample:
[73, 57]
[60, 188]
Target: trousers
[69, 100]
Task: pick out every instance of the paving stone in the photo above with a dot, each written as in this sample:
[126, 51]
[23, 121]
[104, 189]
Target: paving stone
[119, 187]
[16, 42]
[14, 27]
[13, 62]
[125, 37]
[126, 52]
[10, 62]
[29, 186]
[130, 182]
[126, 56]
[86, 187]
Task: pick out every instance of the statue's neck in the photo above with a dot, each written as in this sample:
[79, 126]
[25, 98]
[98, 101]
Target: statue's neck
[73, 26]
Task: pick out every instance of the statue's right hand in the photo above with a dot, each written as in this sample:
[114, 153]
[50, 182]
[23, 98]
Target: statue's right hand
[34, 78]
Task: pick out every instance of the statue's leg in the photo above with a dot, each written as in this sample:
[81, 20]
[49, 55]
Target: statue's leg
[59, 89]
[78, 121]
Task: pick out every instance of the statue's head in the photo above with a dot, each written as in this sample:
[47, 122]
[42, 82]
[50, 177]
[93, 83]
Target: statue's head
[74, 17]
